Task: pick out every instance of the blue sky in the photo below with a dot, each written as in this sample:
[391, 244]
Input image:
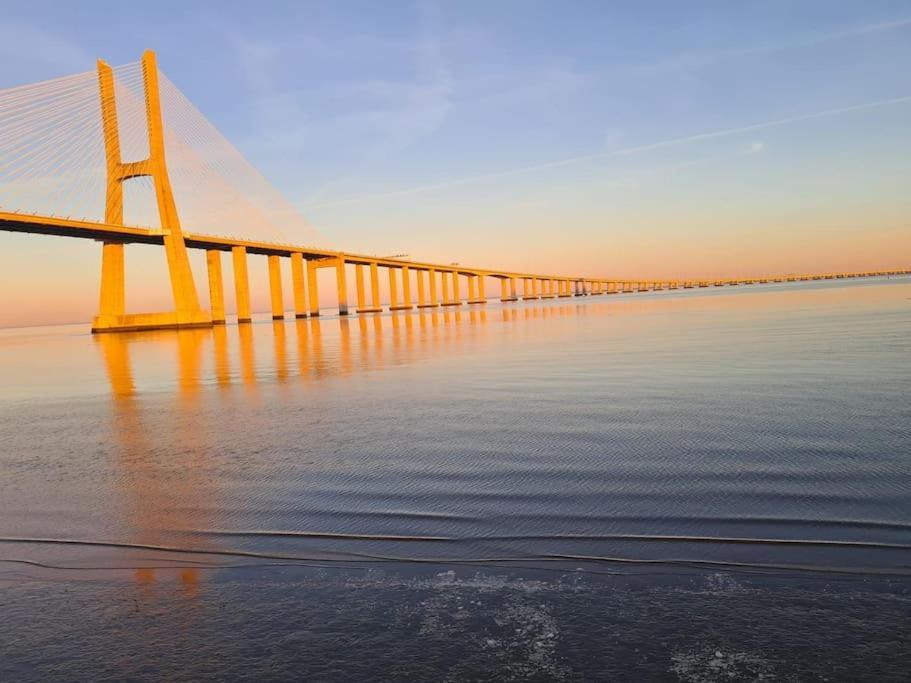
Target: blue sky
[620, 135]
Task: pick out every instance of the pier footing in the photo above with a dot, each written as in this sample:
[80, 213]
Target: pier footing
[132, 322]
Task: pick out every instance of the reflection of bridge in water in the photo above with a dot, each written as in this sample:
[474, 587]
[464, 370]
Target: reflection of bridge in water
[410, 283]
[159, 492]
[165, 486]
[308, 349]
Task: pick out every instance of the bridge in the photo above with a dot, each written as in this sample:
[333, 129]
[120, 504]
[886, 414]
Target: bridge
[410, 283]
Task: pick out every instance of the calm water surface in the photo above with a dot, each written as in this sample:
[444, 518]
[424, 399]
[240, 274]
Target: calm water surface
[693, 485]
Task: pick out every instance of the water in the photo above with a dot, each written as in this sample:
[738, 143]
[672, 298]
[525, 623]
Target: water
[691, 485]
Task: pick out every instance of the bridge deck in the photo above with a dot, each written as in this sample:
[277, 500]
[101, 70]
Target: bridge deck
[70, 227]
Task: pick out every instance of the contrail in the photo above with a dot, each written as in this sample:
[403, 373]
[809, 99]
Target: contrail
[725, 132]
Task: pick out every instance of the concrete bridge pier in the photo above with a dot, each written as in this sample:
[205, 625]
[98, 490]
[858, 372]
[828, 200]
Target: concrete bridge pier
[394, 304]
[419, 280]
[362, 306]
[476, 293]
[456, 298]
[313, 287]
[393, 290]
[341, 284]
[432, 288]
[297, 285]
[508, 289]
[216, 287]
[375, 288]
[112, 299]
[241, 284]
[275, 287]
[444, 281]
[472, 289]
[546, 292]
[406, 288]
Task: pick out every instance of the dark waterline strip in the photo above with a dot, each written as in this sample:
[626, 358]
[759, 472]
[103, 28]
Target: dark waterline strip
[547, 557]
[664, 538]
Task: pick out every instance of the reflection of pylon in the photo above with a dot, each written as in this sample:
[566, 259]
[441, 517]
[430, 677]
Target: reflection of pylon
[112, 314]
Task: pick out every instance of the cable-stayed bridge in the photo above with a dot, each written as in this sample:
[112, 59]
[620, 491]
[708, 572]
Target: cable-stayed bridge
[110, 154]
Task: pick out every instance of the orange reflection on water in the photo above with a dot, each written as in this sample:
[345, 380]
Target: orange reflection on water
[161, 473]
[315, 348]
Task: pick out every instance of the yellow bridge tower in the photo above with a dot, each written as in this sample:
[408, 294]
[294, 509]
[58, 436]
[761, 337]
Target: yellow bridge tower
[112, 315]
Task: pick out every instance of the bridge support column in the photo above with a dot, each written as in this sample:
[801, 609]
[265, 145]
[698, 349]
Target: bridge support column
[341, 284]
[456, 298]
[512, 289]
[359, 282]
[375, 287]
[241, 284]
[419, 278]
[444, 280]
[112, 299]
[297, 284]
[275, 287]
[393, 290]
[406, 289]
[432, 279]
[312, 288]
[504, 290]
[528, 289]
[476, 289]
[216, 287]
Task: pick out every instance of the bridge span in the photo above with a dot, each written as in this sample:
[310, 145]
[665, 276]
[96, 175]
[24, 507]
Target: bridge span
[435, 284]
[410, 283]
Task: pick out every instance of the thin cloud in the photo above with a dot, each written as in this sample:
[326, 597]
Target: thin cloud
[638, 149]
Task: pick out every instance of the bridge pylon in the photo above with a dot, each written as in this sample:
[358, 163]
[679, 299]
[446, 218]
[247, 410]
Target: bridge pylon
[112, 316]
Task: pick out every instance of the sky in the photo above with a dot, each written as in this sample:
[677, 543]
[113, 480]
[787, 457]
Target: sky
[610, 139]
